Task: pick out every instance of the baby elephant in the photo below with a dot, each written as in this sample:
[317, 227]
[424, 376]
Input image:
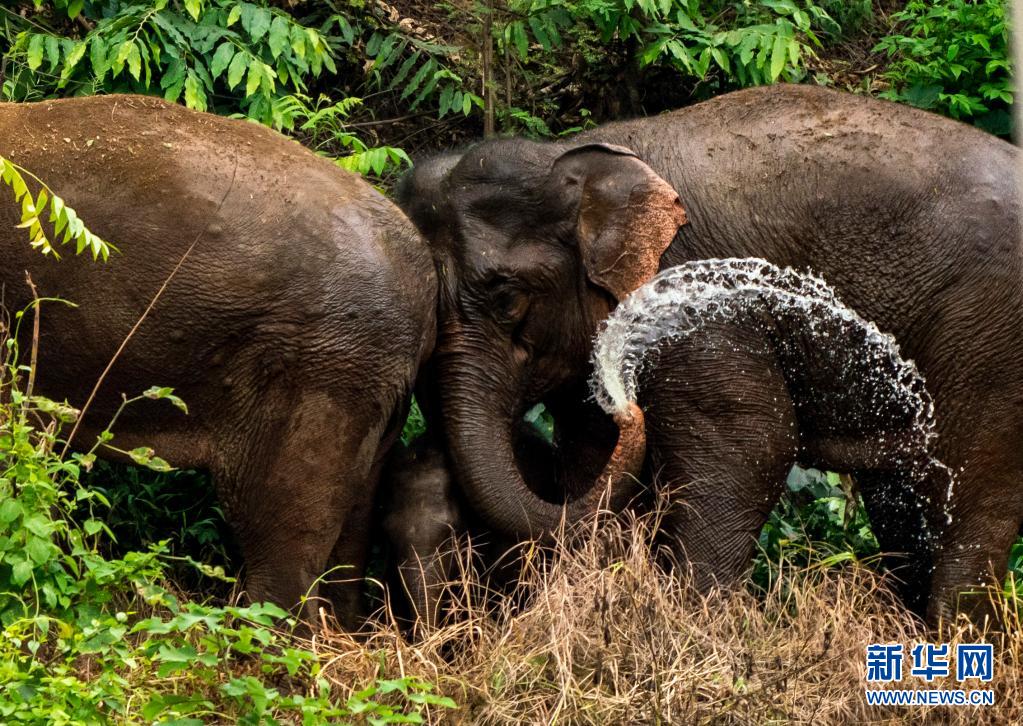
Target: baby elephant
[425, 514]
[423, 518]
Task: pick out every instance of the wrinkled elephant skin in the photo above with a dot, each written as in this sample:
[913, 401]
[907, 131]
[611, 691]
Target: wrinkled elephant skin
[912, 218]
[293, 330]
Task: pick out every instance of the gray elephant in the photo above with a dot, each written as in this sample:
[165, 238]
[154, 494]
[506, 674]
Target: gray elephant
[913, 218]
[293, 329]
[771, 366]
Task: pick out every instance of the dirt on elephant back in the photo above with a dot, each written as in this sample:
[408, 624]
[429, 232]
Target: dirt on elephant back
[604, 635]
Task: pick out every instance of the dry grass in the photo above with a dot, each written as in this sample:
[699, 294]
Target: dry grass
[604, 635]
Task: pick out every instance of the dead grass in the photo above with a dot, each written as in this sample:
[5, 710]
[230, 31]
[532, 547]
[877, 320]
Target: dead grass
[603, 635]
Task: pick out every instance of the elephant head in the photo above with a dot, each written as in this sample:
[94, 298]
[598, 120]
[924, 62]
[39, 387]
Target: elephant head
[534, 244]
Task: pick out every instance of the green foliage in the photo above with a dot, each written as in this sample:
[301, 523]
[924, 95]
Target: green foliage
[952, 56]
[542, 421]
[61, 219]
[236, 58]
[742, 43]
[851, 15]
[196, 51]
[1013, 590]
[821, 520]
[364, 704]
[416, 69]
[324, 125]
[178, 508]
[415, 424]
[225, 55]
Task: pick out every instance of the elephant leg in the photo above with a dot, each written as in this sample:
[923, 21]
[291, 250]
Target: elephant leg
[901, 524]
[975, 545]
[343, 586]
[292, 488]
[722, 436]
[345, 566]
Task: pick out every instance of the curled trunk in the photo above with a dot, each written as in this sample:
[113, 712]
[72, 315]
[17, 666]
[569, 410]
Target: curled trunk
[480, 421]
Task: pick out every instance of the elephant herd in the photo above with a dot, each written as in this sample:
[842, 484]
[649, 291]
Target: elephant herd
[307, 309]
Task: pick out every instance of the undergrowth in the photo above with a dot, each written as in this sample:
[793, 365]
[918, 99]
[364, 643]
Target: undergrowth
[600, 632]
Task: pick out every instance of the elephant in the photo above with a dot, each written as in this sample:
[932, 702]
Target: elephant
[912, 218]
[818, 365]
[425, 516]
[422, 517]
[828, 389]
[293, 330]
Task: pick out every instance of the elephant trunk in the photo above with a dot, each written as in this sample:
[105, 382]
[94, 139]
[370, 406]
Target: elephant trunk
[480, 422]
[424, 581]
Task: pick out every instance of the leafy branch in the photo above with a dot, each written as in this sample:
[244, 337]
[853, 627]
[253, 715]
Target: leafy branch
[62, 218]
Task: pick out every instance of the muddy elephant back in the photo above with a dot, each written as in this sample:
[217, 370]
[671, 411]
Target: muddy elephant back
[292, 266]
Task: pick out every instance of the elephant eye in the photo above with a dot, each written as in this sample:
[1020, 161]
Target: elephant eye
[509, 304]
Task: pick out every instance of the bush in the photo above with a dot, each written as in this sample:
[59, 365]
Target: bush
[820, 518]
[248, 59]
[952, 56]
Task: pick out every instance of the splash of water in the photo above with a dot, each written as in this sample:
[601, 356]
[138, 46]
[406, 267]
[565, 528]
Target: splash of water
[682, 300]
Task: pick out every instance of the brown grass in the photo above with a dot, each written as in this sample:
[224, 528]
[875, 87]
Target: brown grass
[604, 635]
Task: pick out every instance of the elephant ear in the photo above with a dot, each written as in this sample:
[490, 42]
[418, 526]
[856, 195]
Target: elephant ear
[627, 214]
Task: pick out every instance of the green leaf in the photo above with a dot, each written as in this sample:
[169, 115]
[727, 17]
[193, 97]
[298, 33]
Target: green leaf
[72, 59]
[194, 7]
[259, 23]
[280, 36]
[518, 37]
[17, 183]
[417, 79]
[53, 51]
[539, 32]
[221, 59]
[157, 393]
[142, 455]
[298, 40]
[778, 55]
[10, 510]
[118, 58]
[35, 51]
[721, 59]
[195, 96]
[39, 550]
[158, 464]
[254, 79]
[373, 45]
[98, 57]
[444, 105]
[237, 70]
[21, 572]
[135, 62]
